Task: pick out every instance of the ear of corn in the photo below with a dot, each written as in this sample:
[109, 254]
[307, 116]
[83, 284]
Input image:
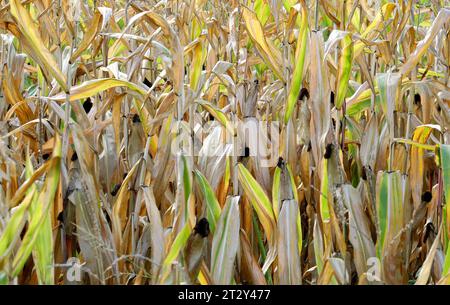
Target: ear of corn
[224, 245]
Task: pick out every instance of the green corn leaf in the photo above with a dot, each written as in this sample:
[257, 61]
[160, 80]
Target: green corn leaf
[45, 198]
[344, 69]
[445, 166]
[297, 77]
[212, 205]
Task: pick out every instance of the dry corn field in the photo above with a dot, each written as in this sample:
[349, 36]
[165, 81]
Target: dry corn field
[225, 142]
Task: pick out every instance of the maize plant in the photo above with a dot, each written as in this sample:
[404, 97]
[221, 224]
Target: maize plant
[295, 142]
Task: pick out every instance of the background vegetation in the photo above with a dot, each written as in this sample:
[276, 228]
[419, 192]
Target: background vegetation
[95, 94]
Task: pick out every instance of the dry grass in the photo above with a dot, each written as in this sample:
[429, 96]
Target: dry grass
[224, 142]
